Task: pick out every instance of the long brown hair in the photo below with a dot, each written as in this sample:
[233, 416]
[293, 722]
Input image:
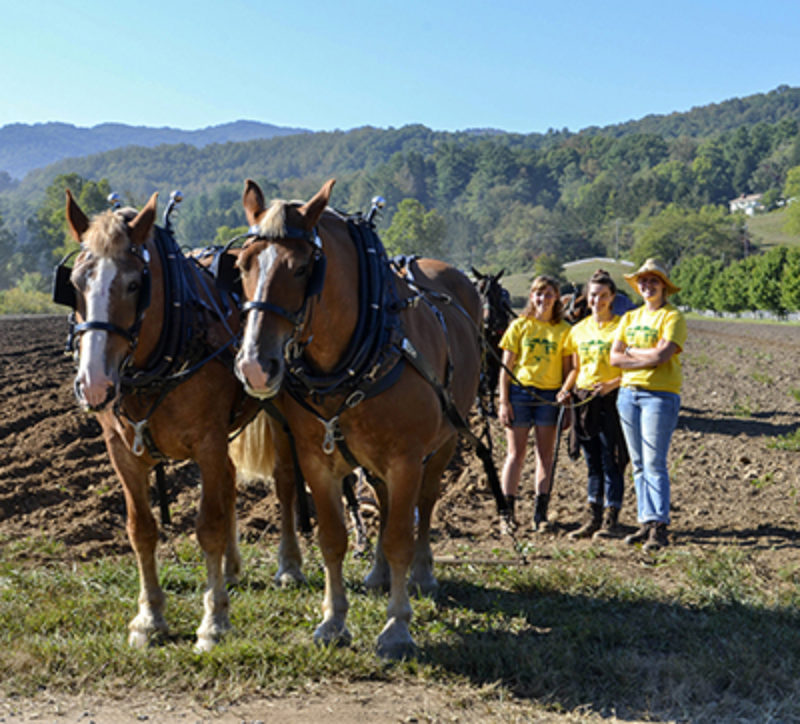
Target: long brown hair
[545, 280]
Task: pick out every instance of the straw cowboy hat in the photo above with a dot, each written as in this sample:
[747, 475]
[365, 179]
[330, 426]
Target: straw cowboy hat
[655, 267]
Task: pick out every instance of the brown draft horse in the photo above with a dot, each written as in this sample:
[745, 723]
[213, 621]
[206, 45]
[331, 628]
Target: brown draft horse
[120, 306]
[401, 435]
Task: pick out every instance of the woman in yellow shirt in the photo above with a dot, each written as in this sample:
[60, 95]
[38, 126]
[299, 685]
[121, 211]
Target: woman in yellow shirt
[647, 349]
[596, 428]
[533, 349]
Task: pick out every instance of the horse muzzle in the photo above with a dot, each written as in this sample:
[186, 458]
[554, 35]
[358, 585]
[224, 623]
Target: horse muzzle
[94, 399]
[260, 380]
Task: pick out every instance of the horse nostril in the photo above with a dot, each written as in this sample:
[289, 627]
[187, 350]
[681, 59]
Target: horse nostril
[273, 368]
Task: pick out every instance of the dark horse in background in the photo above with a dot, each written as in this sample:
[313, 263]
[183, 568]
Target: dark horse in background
[497, 315]
[302, 273]
[153, 338]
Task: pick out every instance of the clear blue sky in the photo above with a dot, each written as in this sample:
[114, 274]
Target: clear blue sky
[517, 65]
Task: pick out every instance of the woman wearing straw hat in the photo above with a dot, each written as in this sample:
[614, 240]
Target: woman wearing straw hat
[647, 348]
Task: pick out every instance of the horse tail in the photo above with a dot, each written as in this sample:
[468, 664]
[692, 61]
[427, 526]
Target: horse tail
[253, 451]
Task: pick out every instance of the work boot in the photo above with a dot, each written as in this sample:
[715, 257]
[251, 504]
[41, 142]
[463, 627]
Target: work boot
[657, 539]
[595, 511]
[540, 522]
[508, 522]
[610, 527]
[640, 535]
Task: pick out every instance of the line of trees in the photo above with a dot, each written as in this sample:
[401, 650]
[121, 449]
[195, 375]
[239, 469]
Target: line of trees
[765, 282]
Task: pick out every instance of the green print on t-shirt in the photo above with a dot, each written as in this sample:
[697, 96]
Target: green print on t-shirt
[548, 347]
[593, 350]
[642, 335]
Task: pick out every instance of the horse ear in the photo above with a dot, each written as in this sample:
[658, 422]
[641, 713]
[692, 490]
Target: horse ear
[76, 219]
[141, 225]
[312, 210]
[252, 201]
[502, 271]
[477, 274]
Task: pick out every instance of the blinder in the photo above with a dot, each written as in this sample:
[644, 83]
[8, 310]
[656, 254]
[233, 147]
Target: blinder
[64, 293]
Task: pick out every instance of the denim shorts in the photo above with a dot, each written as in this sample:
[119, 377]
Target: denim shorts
[529, 408]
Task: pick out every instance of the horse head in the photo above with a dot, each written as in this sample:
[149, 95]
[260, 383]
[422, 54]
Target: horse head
[112, 281]
[497, 311]
[282, 267]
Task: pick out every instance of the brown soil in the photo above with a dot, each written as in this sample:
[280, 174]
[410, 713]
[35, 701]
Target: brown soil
[741, 391]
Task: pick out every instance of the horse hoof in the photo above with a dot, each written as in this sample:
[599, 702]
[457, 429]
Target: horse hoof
[377, 581]
[329, 633]
[289, 579]
[423, 585]
[395, 641]
[138, 640]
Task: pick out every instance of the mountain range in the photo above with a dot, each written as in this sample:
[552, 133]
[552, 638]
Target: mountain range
[24, 147]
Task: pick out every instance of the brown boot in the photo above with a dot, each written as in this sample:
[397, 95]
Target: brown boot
[508, 523]
[640, 535]
[540, 522]
[595, 512]
[657, 539]
[610, 527]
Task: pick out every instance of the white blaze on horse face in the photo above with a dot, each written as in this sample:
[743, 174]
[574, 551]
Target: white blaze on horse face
[251, 369]
[93, 376]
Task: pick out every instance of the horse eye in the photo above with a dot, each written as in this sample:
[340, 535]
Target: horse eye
[301, 270]
[133, 287]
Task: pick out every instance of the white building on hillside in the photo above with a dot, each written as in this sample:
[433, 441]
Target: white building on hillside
[749, 204]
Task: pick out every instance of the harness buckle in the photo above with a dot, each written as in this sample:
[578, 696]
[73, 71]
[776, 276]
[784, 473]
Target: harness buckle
[138, 437]
[355, 397]
[332, 434]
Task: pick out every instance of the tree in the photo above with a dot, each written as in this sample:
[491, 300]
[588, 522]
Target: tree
[791, 192]
[415, 231]
[696, 276]
[49, 239]
[676, 233]
[790, 280]
[765, 280]
[7, 246]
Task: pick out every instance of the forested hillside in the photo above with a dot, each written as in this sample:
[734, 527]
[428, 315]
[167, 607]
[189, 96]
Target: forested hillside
[660, 186]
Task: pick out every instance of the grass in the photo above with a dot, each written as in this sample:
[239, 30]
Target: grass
[568, 632]
[767, 229]
[789, 441]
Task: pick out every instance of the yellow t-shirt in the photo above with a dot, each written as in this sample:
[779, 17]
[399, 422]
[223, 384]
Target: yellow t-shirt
[539, 350]
[640, 328]
[592, 343]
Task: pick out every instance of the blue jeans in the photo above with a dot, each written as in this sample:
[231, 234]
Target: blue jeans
[648, 420]
[605, 478]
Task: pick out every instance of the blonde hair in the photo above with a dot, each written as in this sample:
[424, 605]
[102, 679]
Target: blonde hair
[540, 282]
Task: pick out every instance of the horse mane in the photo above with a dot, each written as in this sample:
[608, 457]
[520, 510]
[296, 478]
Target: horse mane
[273, 223]
[107, 235]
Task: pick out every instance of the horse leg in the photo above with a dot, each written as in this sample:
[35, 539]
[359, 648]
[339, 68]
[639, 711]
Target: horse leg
[421, 577]
[216, 526]
[332, 536]
[379, 577]
[290, 559]
[394, 641]
[143, 534]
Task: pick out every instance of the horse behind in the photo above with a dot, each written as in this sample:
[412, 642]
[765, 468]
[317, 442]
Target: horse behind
[497, 315]
[303, 278]
[158, 390]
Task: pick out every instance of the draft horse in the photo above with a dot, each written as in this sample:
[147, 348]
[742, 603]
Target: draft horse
[151, 335]
[310, 318]
[497, 315]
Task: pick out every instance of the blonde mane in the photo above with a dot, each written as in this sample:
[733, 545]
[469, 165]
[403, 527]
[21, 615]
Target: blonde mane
[107, 235]
[273, 222]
